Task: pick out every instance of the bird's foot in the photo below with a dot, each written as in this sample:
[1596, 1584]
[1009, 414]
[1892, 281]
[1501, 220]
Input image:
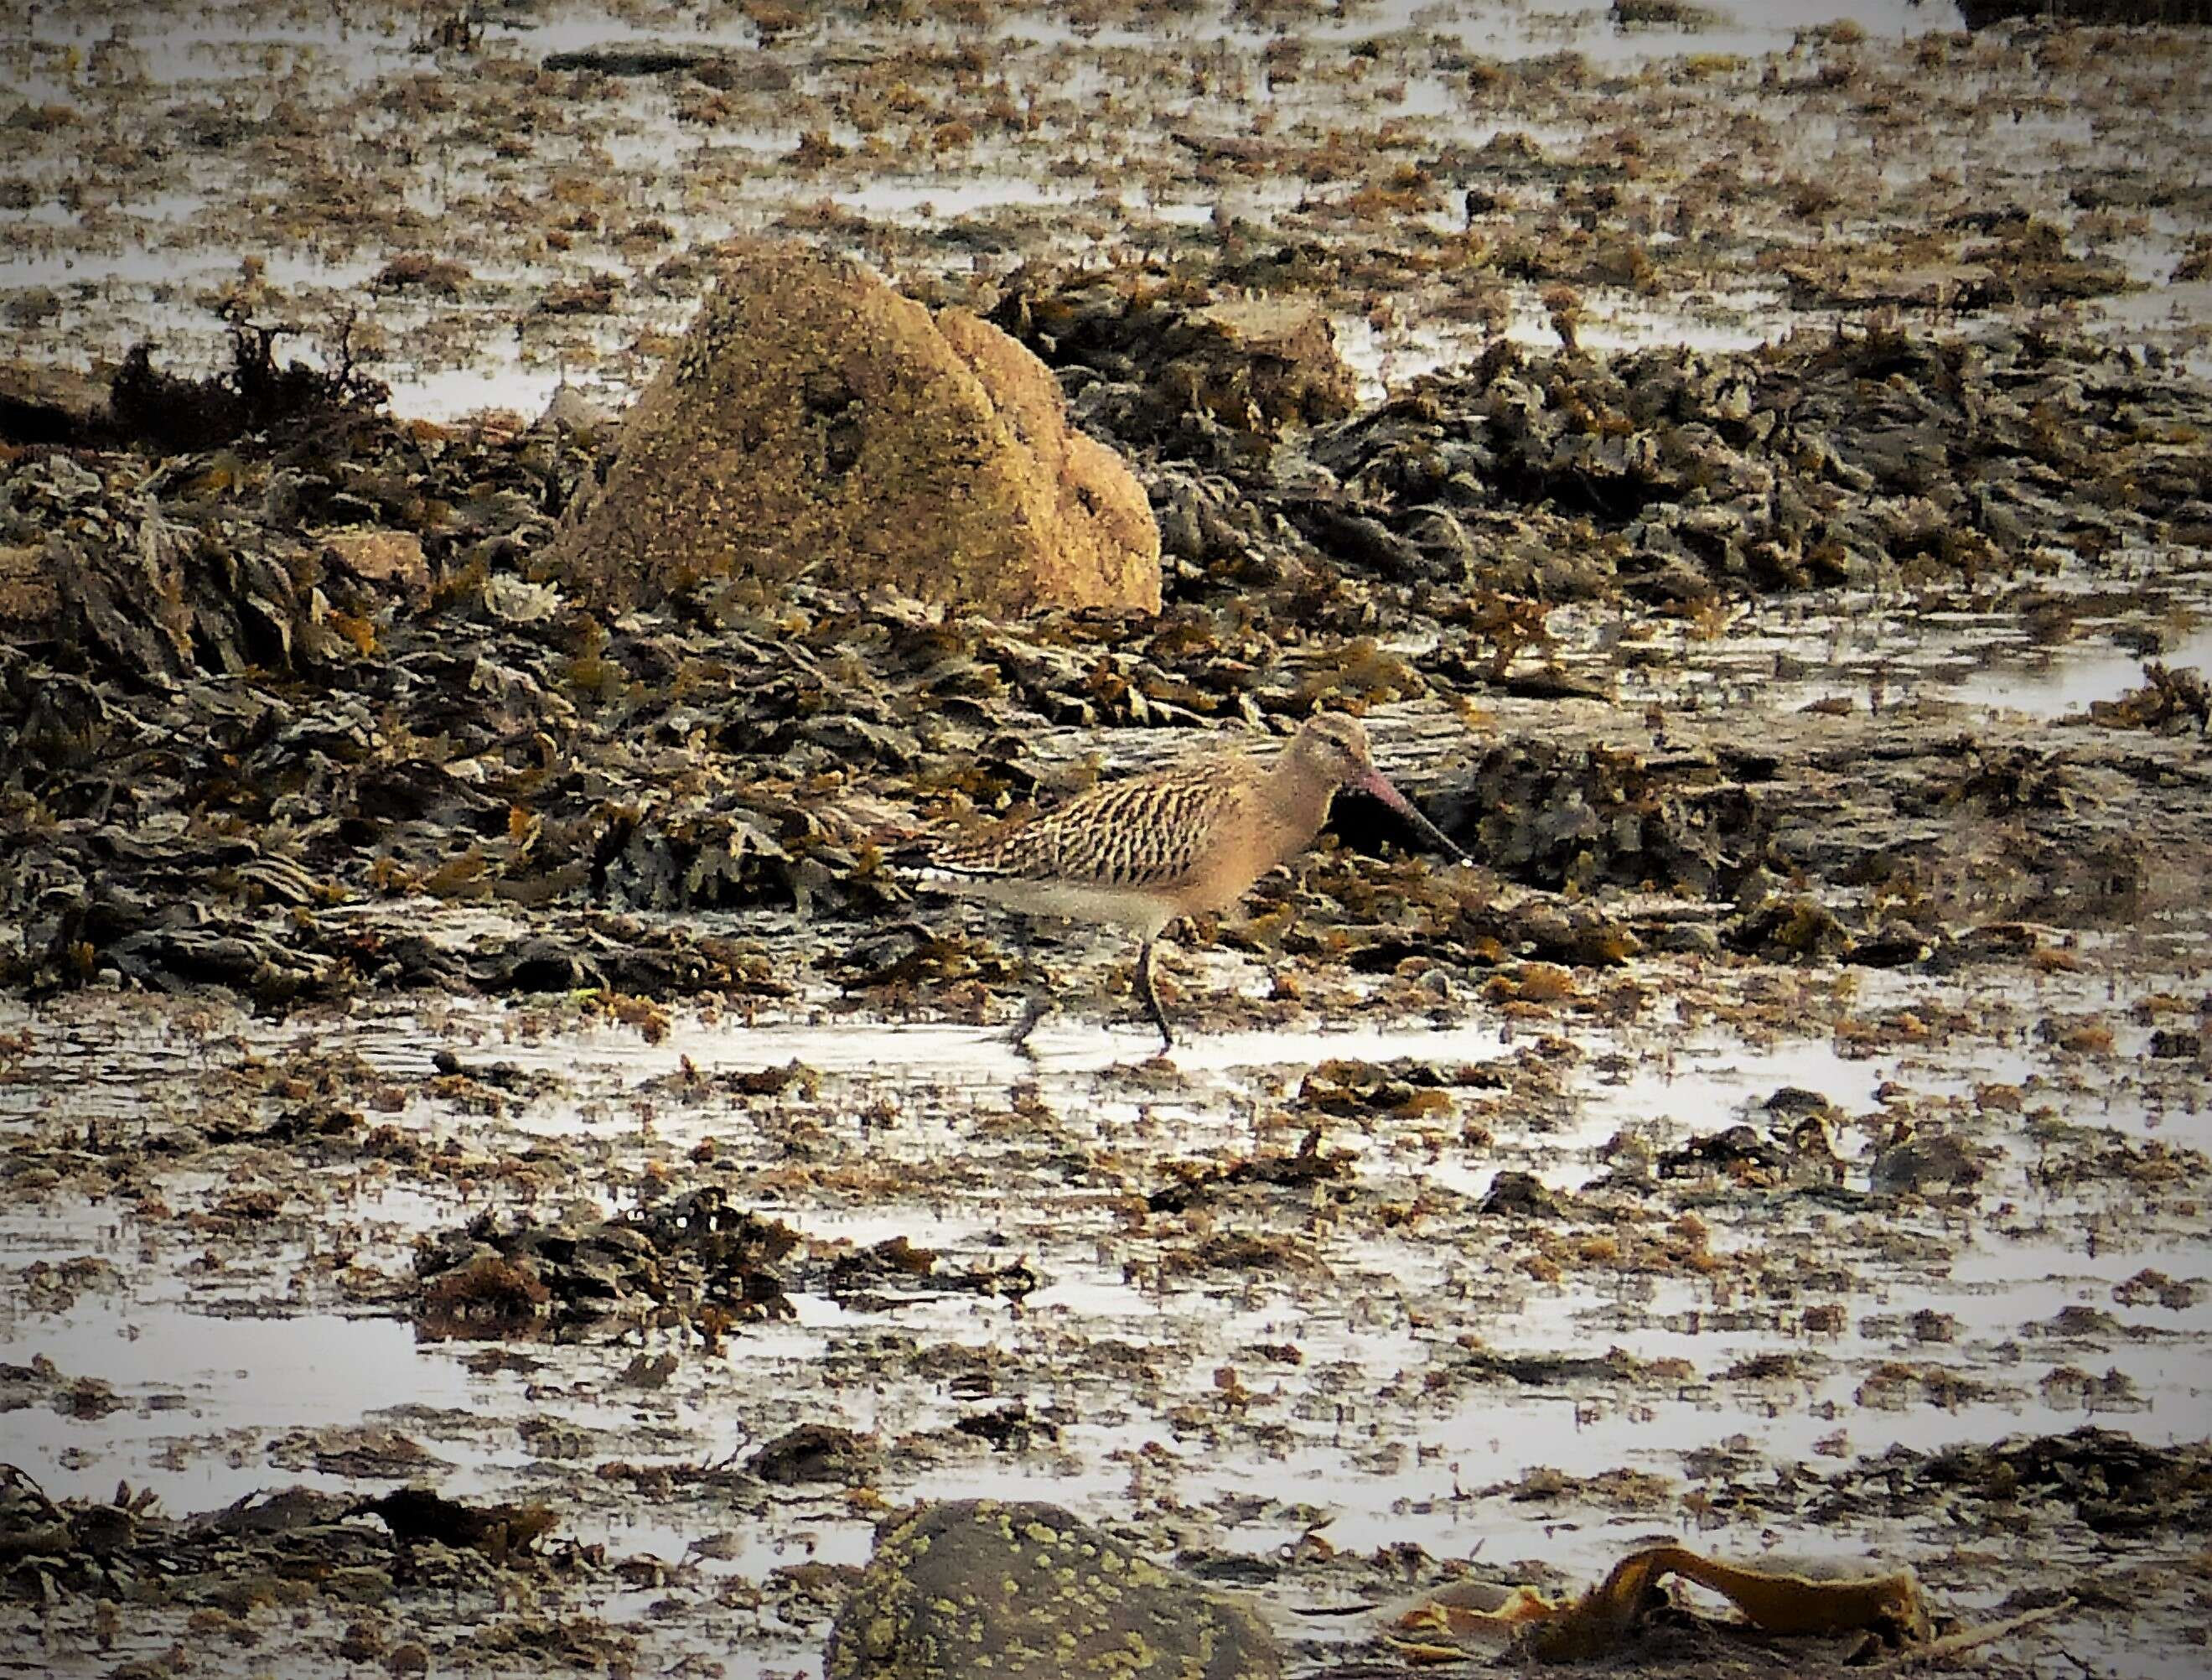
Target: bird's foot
[1150, 993]
[1035, 1007]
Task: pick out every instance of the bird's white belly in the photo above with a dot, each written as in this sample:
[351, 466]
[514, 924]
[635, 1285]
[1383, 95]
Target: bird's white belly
[1143, 914]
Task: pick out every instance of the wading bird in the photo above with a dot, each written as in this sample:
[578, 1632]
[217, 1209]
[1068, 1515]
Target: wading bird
[1143, 853]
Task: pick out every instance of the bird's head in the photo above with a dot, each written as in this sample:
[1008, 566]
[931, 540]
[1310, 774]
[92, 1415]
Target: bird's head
[1332, 747]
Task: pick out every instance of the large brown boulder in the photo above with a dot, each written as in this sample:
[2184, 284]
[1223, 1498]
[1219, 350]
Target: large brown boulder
[815, 422]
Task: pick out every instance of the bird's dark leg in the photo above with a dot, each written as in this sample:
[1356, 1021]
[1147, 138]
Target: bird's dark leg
[1035, 1007]
[1036, 1002]
[1150, 994]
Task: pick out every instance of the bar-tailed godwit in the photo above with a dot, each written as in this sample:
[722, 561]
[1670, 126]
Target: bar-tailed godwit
[1142, 853]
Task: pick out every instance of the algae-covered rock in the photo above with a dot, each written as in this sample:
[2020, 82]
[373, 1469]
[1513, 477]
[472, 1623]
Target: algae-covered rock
[816, 423]
[1022, 1590]
[28, 600]
[1179, 373]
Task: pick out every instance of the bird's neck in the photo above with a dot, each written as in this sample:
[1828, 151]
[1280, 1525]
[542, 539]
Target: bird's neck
[1297, 797]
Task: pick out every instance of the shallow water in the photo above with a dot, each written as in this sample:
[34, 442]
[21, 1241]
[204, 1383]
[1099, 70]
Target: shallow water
[154, 275]
[1886, 651]
[188, 1371]
[2073, 677]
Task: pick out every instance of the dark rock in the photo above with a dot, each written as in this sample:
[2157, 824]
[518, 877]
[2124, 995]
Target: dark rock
[1522, 1193]
[1010, 1428]
[51, 406]
[1978, 15]
[620, 61]
[284, 1511]
[1202, 379]
[2177, 1043]
[1737, 1149]
[812, 1452]
[1897, 945]
[1794, 1102]
[1687, 939]
[417, 1514]
[1027, 1591]
[1926, 1161]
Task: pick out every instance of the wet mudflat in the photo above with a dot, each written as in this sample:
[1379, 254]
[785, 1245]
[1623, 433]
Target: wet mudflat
[457, 1039]
[1325, 1314]
[500, 200]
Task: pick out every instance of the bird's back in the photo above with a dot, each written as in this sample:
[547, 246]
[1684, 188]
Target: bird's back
[1155, 833]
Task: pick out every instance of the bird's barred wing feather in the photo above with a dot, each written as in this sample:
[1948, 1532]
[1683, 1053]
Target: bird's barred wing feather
[1151, 831]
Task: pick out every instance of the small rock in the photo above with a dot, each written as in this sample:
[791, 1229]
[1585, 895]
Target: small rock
[1687, 939]
[1522, 1193]
[385, 559]
[570, 409]
[812, 1452]
[1734, 1149]
[1932, 1160]
[28, 601]
[52, 404]
[2177, 1043]
[1795, 1102]
[518, 601]
[364, 1642]
[1294, 370]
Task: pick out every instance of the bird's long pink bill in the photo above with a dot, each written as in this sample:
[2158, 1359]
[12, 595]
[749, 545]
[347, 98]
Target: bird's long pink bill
[1374, 781]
